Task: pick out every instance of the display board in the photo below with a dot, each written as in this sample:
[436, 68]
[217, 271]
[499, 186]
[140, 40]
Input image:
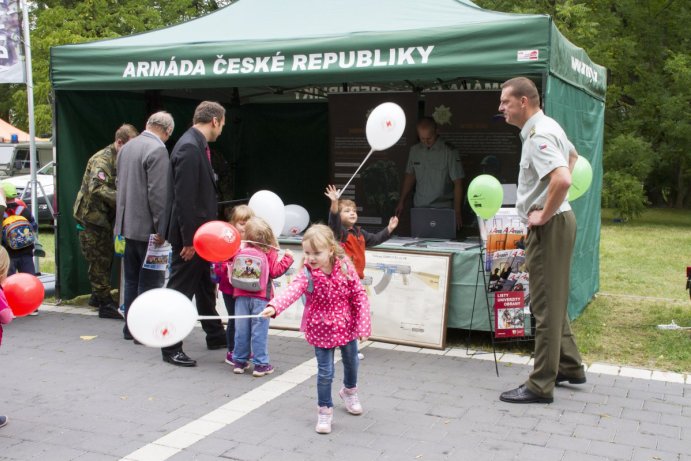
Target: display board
[408, 296]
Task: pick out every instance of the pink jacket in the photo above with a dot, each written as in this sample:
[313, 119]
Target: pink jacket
[5, 312]
[337, 311]
[221, 271]
[277, 267]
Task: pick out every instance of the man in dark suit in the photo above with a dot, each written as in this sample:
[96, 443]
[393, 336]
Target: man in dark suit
[192, 201]
[141, 204]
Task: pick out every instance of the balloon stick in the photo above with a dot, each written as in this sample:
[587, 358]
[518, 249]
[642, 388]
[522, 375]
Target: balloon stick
[216, 317]
[356, 172]
[262, 244]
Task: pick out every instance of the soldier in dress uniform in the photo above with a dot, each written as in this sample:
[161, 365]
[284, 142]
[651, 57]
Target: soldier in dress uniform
[94, 211]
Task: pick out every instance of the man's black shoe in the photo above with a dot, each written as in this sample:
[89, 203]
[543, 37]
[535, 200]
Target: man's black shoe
[523, 395]
[127, 335]
[572, 380]
[216, 344]
[180, 359]
[94, 301]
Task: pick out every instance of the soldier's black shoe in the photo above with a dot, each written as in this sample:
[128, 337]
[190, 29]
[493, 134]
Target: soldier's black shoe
[109, 313]
[94, 301]
[108, 309]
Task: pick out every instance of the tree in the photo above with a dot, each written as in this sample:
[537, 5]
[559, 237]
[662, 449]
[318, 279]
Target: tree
[61, 22]
[644, 45]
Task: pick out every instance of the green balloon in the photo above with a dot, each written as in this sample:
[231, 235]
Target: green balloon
[581, 178]
[485, 195]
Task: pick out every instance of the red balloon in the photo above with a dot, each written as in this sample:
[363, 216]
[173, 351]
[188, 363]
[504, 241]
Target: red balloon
[216, 241]
[24, 293]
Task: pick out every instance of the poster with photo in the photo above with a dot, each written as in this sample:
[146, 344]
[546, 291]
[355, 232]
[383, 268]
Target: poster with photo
[509, 315]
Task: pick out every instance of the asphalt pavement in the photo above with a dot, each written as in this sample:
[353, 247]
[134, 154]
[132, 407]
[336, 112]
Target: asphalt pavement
[73, 389]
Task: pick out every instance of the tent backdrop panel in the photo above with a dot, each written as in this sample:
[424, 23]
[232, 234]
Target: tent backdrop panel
[86, 123]
[582, 119]
[283, 148]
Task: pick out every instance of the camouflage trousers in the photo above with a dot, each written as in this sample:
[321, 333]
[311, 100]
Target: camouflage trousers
[97, 248]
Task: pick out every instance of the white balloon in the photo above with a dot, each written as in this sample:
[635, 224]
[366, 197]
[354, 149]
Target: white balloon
[297, 220]
[161, 317]
[385, 125]
[269, 207]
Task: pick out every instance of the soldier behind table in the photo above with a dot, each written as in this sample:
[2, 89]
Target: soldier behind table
[94, 211]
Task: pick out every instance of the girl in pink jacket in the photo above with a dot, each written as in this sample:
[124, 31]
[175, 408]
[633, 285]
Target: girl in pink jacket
[5, 311]
[337, 314]
[238, 218]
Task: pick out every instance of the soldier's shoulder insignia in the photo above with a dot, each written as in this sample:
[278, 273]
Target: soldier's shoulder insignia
[101, 175]
[532, 132]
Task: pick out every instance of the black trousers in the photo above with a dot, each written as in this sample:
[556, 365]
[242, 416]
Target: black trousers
[193, 278]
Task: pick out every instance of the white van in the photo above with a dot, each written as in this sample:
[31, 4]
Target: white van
[14, 157]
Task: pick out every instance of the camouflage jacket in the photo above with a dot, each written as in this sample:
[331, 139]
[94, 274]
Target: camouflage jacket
[95, 204]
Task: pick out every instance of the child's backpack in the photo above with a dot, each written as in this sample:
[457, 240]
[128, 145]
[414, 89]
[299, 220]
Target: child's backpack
[250, 270]
[17, 232]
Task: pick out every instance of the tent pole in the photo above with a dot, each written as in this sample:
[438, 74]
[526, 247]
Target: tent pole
[30, 104]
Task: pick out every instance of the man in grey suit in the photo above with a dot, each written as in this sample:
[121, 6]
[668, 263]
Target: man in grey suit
[142, 195]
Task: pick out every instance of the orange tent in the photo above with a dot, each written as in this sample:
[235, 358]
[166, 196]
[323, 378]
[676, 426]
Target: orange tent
[7, 130]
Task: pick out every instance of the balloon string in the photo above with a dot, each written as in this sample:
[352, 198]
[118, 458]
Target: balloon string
[354, 174]
[215, 317]
[262, 244]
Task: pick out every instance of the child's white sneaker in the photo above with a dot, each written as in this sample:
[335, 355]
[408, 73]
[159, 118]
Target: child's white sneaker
[324, 418]
[351, 400]
[360, 355]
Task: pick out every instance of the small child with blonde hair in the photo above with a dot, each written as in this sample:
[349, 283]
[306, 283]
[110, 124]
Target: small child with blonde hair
[5, 311]
[251, 274]
[354, 239]
[336, 314]
[238, 218]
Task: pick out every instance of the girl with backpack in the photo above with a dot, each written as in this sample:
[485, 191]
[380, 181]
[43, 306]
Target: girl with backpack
[337, 314]
[251, 273]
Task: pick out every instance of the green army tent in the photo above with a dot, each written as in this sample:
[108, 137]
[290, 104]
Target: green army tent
[256, 51]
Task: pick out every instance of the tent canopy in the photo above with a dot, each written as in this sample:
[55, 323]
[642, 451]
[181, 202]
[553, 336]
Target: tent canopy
[255, 47]
[302, 43]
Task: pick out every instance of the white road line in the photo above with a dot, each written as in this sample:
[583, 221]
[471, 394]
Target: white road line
[184, 437]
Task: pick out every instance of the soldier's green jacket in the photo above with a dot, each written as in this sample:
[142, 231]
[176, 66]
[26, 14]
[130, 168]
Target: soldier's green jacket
[95, 204]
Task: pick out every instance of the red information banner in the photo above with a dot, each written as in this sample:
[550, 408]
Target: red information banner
[509, 315]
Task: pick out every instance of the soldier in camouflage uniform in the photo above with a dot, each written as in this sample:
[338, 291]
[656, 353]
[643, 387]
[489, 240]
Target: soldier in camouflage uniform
[94, 210]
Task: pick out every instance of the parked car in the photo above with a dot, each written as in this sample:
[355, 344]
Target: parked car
[45, 178]
[14, 157]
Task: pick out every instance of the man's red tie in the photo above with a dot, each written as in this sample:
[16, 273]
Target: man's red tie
[208, 153]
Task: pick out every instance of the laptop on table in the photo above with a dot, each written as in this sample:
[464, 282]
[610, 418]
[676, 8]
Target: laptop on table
[437, 223]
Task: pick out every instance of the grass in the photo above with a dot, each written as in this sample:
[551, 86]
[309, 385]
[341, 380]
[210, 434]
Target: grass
[642, 285]
[47, 238]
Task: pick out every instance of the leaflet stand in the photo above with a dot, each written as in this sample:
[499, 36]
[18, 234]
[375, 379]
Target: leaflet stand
[500, 242]
[481, 272]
